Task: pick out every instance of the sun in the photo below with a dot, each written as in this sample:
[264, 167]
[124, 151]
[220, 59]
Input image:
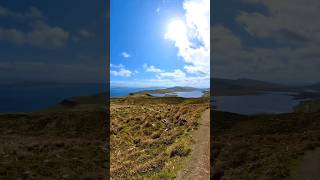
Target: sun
[176, 30]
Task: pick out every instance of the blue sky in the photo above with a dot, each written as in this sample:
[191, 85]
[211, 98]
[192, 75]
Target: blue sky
[141, 52]
[53, 41]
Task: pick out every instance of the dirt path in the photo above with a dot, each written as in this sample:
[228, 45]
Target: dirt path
[309, 167]
[199, 165]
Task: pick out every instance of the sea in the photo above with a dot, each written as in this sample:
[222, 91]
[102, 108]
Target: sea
[37, 97]
[32, 98]
[266, 103]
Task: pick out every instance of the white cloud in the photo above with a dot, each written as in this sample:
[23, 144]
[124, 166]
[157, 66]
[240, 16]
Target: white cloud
[41, 35]
[158, 10]
[125, 55]
[45, 35]
[151, 68]
[31, 13]
[116, 66]
[282, 64]
[120, 71]
[176, 77]
[294, 57]
[12, 35]
[85, 33]
[193, 38]
[177, 74]
[287, 20]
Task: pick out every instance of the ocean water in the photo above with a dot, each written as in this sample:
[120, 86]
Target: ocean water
[189, 94]
[31, 98]
[256, 104]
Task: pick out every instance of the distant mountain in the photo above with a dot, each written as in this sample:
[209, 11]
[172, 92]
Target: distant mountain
[246, 86]
[182, 89]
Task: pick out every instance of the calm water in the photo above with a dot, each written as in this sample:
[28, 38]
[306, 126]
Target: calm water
[26, 99]
[189, 94]
[255, 104]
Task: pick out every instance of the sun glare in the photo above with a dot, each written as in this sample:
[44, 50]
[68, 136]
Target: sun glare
[176, 29]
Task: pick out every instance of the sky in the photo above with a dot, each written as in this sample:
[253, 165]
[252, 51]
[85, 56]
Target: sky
[160, 43]
[272, 40]
[53, 41]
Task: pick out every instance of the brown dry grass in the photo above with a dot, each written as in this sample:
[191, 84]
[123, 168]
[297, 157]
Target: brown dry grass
[262, 146]
[151, 137]
[62, 144]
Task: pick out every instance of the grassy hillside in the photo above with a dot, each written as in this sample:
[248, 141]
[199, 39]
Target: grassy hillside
[261, 146]
[151, 136]
[64, 142]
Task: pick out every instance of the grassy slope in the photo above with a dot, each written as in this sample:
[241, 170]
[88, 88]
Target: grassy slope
[261, 147]
[60, 143]
[150, 136]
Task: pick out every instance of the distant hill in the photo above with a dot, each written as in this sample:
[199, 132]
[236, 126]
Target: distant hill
[99, 99]
[182, 89]
[246, 86]
[315, 87]
[169, 90]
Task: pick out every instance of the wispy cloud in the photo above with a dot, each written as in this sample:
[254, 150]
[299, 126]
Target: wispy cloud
[83, 34]
[120, 70]
[125, 55]
[158, 10]
[177, 74]
[151, 68]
